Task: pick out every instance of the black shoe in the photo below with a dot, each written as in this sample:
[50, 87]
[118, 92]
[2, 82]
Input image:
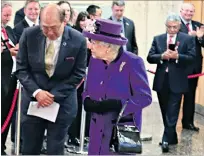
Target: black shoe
[73, 141]
[165, 147]
[191, 127]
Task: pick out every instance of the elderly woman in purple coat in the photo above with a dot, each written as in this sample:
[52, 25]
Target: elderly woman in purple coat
[115, 77]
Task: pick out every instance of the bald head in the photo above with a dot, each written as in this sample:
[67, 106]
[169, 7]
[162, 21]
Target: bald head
[53, 11]
[187, 11]
[187, 6]
[52, 18]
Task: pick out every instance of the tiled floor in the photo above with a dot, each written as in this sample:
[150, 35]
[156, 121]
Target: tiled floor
[190, 143]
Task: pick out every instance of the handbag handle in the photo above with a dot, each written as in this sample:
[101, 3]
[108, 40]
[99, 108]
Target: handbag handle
[121, 115]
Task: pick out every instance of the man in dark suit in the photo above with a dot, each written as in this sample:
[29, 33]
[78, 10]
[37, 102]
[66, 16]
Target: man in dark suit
[118, 7]
[19, 16]
[172, 52]
[94, 12]
[195, 29]
[8, 81]
[32, 11]
[49, 66]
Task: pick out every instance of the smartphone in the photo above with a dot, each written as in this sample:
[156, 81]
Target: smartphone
[172, 47]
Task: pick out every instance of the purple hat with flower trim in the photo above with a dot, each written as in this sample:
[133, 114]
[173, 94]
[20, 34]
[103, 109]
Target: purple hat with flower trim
[105, 30]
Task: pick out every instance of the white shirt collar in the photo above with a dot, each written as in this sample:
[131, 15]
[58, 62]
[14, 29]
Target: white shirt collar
[173, 38]
[184, 21]
[31, 23]
[58, 40]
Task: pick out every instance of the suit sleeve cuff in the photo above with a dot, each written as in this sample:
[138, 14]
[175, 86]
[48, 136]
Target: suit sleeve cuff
[36, 92]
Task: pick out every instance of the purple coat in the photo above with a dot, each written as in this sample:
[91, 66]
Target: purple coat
[115, 81]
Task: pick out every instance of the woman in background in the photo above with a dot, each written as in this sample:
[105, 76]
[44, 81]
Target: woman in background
[68, 11]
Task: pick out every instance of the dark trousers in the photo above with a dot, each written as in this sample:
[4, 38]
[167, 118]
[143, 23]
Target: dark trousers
[5, 108]
[74, 130]
[170, 105]
[33, 129]
[189, 102]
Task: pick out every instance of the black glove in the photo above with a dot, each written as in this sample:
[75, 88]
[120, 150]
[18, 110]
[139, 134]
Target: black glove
[104, 106]
[90, 105]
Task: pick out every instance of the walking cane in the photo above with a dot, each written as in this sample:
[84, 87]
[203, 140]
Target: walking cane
[18, 121]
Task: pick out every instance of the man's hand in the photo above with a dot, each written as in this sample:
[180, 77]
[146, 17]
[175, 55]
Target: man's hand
[44, 98]
[13, 51]
[166, 55]
[192, 33]
[173, 54]
[200, 31]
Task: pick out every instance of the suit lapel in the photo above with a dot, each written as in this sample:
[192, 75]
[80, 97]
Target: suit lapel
[125, 26]
[163, 42]
[63, 47]
[183, 28]
[179, 42]
[41, 39]
[25, 24]
[194, 25]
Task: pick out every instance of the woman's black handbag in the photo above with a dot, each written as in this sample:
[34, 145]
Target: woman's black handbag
[126, 138]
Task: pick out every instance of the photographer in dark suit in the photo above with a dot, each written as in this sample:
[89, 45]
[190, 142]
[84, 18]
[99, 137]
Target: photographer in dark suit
[172, 52]
[8, 80]
[50, 65]
[195, 29]
[128, 26]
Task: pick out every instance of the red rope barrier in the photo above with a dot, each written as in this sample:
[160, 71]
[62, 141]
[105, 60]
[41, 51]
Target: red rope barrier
[8, 118]
[189, 76]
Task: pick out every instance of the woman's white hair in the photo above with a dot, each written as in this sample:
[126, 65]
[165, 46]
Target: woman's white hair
[113, 47]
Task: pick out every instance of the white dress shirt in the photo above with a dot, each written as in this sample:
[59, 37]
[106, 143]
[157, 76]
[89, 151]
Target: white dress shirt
[185, 22]
[57, 44]
[31, 23]
[173, 39]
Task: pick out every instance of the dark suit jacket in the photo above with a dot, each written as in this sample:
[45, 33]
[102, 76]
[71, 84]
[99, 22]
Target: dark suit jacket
[6, 65]
[177, 74]
[129, 27]
[18, 29]
[196, 67]
[19, 16]
[69, 71]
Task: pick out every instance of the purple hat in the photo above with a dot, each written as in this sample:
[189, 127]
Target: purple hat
[105, 30]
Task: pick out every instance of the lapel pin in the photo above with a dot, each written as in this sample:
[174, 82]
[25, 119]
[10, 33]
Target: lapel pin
[121, 66]
[127, 23]
[64, 44]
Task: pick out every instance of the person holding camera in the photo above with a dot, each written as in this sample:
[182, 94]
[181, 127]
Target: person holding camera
[173, 52]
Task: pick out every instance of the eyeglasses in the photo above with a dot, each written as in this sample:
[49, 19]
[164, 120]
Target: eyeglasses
[52, 28]
[172, 27]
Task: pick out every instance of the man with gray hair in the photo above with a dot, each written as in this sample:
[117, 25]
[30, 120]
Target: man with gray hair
[128, 26]
[173, 52]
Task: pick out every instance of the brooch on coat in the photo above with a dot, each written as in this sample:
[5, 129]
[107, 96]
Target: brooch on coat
[121, 66]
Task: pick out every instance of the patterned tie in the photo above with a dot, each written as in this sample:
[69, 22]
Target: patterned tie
[49, 63]
[170, 40]
[188, 27]
[3, 30]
